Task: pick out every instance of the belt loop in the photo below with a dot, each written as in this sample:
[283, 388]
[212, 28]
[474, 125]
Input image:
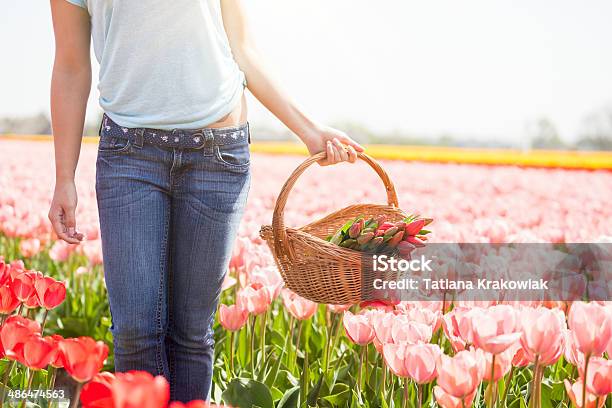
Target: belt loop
[100, 128]
[139, 137]
[209, 139]
[248, 129]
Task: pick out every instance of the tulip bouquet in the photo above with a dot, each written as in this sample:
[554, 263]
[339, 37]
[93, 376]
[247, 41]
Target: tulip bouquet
[378, 235]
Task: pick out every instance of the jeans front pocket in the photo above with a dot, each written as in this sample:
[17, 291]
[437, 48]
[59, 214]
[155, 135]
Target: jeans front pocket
[235, 156]
[114, 144]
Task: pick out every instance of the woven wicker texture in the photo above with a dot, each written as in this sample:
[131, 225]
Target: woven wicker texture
[312, 267]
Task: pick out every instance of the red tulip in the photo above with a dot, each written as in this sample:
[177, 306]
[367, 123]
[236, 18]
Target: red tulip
[233, 317]
[358, 328]
[591, 326]
[38, 351]
[414, 227]
[8, 300]
[14, 333]
[51, 293]
[4, 272]
[138, 389]
[23, 285]
[83, 357]
[195, 404]
[57, 360]
[98, 392]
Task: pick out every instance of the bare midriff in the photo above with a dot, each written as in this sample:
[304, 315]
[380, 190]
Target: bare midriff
[236, 117]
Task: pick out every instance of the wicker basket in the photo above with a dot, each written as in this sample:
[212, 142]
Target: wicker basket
[312, 267]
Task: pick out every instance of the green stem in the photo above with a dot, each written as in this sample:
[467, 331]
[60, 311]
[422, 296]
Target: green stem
[263, 337]
[420, 394]
[533, 383]
[75, 397]
[299, 340]
[587, 357]
[507, 385]
[44, 320]
[492, 384]
[360, 369]
[291, 327]
[253, 346]
[405, 393]
[231, 355]
[5, 380]
[30, 374]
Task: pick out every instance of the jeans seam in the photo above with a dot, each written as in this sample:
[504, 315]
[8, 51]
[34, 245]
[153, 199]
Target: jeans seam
[160, 300]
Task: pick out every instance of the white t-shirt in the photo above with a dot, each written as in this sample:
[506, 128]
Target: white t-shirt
[163, 64]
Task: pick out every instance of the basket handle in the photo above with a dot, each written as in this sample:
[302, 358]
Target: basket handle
[278, 222]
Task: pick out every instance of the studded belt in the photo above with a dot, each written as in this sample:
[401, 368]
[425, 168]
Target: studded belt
[179, 138]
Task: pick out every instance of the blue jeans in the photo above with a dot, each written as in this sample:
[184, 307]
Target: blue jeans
[168, 221]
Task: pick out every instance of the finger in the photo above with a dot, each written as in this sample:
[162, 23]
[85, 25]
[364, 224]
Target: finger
[350, 142]
[331, 155]
[69, 221]
[60, 229]
[340, 150]
[352, 154]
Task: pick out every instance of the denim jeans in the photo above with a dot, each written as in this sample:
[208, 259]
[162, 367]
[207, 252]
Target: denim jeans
[168, 221]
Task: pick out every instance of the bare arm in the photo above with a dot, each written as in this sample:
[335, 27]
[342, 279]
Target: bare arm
[70, 85]
[316, 137]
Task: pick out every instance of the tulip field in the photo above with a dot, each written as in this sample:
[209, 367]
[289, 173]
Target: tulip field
[276, 349]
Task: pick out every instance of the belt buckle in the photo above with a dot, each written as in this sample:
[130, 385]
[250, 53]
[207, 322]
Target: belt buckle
[198, 139]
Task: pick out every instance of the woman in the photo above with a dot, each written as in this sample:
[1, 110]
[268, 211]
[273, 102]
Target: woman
[172, 170]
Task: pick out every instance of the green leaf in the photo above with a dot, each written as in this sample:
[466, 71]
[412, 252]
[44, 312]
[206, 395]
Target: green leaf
[340, 396]
[291, 398]
[246, 393]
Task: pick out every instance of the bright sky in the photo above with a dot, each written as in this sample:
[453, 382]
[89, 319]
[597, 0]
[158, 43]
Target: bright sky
[473, 67]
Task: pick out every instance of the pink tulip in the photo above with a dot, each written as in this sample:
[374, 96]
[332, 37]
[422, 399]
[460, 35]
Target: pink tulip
[395, 358]
[411, 332]
[446, 400]
[460, 375]
[599, 376]
[503, 363]
[496, 329]
[256, 298]
[358, 328]
[338, 308]
[300, 308]
[421, 361]
[591, 326]
[452, 332]
[542, 334]
[233, 317]
[574, 391]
